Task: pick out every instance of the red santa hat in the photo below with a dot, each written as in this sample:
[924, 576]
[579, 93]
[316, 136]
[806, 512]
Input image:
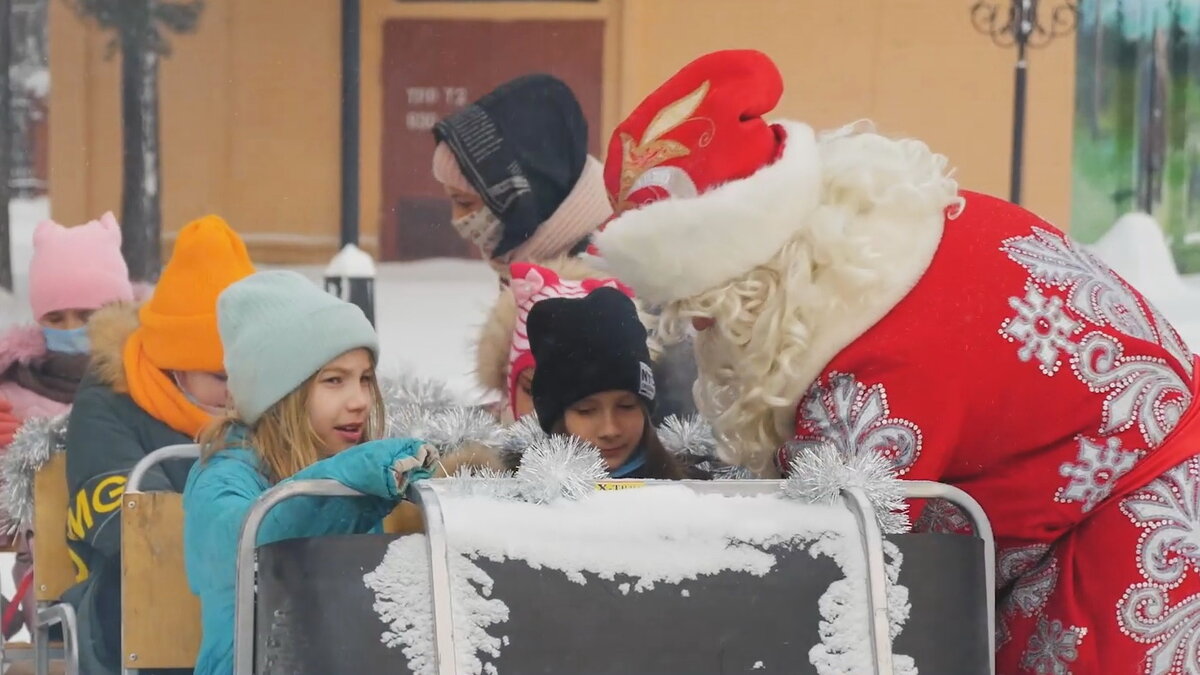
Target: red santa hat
[530, 285]
[704, 187]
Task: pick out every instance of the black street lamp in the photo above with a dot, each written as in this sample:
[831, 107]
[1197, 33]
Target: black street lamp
[351, 93]
[1022, 23]
[351, 274]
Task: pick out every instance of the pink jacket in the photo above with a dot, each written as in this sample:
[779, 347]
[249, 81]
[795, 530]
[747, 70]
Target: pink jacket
[23, 344]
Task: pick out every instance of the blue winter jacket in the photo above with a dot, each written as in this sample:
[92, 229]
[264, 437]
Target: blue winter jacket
[221, 490]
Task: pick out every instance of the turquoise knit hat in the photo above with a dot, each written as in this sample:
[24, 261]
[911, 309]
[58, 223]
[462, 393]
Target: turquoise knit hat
[278, 329]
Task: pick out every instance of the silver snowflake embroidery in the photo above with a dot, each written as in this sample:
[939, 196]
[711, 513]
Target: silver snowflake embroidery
[1020, 563]
[1171, 341]
[1138, 390]
[1168, 510]
[1093, 290]
[1025, 577]
[856, 419]
[1042, 328]
[942, 517]
[1052, 648]
[1145, 613]
[1094, 472]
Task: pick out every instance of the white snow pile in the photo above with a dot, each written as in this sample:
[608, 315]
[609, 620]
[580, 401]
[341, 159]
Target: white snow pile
[659, 534]
[1136, 249]
[351, 262]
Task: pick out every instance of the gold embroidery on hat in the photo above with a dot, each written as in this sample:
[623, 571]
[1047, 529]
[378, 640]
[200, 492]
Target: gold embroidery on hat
[652, 150]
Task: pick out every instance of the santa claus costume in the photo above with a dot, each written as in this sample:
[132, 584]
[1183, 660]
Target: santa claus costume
[849, 292]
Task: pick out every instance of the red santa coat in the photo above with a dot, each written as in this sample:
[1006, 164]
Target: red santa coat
[1024, 371]
[984, 350]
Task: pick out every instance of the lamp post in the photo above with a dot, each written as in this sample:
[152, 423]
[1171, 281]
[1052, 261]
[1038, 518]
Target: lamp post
[351, 92]
[1023, 24]
[351, 274]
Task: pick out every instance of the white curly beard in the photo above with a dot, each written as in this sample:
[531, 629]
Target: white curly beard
[742, 421]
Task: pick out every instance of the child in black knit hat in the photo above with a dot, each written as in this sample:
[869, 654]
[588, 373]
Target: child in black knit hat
[594, 381]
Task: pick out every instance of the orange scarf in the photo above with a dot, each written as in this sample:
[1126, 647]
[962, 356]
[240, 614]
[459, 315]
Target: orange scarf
[153, 391]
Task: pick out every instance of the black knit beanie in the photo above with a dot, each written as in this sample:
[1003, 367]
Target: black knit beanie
[522, 147]
[584, 346]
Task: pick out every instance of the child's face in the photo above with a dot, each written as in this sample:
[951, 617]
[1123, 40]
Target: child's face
[209, 391]
[66, 319]
[612, 421]
[523, 401]
[340, 399]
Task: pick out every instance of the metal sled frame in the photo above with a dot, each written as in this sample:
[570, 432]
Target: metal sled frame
[425, 495]
[163, 454]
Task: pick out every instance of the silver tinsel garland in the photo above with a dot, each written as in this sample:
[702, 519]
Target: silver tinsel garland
[424, 409]
[819, 474]
[424, 393]
[477, 481]
[559, 467]
[409, 421]
[519, 436]
[455, 428]
[552, 468]
[691, 440]
[688, 436]
[29, 451]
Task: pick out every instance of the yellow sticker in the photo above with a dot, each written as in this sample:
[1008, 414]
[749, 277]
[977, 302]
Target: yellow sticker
[612, 485]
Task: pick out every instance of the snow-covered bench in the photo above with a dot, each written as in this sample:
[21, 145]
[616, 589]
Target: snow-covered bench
[691, 577]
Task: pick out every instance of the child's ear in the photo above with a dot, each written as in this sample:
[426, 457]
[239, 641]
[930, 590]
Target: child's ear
[110, 224]
[45, 231]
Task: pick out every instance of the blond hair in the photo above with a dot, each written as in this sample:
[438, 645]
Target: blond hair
[284, 438]
[754, 362]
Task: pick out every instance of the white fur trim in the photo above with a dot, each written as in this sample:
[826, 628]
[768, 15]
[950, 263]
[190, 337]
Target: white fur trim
[905, 248]
[680, 247]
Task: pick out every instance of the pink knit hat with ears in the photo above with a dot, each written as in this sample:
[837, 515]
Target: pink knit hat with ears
[77, 267]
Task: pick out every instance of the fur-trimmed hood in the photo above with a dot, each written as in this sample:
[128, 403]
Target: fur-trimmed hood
[21, 344]
[108, 330]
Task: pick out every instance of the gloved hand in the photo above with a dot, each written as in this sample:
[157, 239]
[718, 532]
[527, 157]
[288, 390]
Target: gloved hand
[415, 467]
[9, 423]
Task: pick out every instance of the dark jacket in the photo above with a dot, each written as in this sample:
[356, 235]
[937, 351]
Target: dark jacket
[106, 436]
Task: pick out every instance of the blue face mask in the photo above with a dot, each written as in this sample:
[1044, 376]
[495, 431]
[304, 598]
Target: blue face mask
[73, 341]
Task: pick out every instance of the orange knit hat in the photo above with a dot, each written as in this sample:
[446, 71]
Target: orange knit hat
[179, 323]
